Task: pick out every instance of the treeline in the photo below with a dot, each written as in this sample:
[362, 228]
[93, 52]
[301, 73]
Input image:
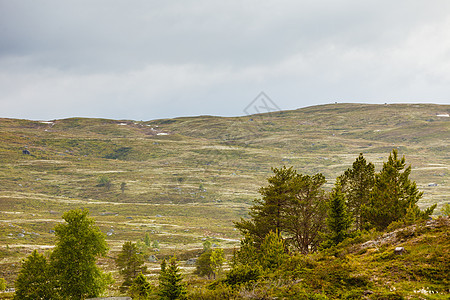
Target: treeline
[296, 239]
[296, 207]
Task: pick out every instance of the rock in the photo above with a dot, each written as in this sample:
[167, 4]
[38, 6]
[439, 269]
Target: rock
[21, 235]
[399, 250]
[191, 261]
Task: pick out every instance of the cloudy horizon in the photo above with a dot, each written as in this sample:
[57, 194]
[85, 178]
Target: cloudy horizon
[146, 60]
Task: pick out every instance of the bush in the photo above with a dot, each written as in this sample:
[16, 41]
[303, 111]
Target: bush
[242, 274]
[2, 284]
[445, 210]
[216, 291]
[140, 288]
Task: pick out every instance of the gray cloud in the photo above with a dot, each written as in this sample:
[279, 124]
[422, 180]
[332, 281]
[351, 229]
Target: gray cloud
[155, 59]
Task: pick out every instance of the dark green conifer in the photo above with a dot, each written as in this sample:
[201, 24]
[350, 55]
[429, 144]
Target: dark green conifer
[34, 280]
[339, 219]
[268, 213]
[140, 288]
[130, 263]
[273, 251]
[394, 192]
[357, 184]
[171, 286]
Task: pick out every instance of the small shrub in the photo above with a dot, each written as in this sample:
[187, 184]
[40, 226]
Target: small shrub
[242, 275]
[445, 210]
[218, 292]
[104, 181]
[2, 284]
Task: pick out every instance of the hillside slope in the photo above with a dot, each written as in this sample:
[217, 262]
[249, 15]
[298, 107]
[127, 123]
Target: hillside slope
[186, 179]
[167, 160]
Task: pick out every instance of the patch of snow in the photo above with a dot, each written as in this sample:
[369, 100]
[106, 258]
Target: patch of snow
[122, 124]
[443, 115]
[162, 133]
[46, 122]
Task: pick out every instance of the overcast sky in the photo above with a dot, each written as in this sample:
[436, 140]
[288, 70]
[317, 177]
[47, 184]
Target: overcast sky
[148, 59]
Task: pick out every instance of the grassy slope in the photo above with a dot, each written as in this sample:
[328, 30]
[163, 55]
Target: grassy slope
[194, 181]
[372, 270]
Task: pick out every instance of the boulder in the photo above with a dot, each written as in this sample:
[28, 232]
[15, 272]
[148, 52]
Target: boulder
[399, 250]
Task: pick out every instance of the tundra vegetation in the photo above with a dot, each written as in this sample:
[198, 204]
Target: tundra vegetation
[185, 190]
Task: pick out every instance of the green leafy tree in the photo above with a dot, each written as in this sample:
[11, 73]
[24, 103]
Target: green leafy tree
[273, 251]
[357, 184]
[217, 260]
[130, 263]
[393, 193]
[140, 288]
[171, 286]
[34, 281]
[339, 219]
[268, 213]
[305, 213]
[73, 261]
[203, 265]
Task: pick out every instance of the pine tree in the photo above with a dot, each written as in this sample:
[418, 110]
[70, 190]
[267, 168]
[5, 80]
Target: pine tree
[293, 205]
[393, 193]
[339, 219]
[73, 260]
[247, 253]
[305, 213]
[273, 251]
[140, 288]
[130, 263]
[203, 265]
[171, 286]
[268, 213]
[147, 241]
[34, 281]
[357, 184]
